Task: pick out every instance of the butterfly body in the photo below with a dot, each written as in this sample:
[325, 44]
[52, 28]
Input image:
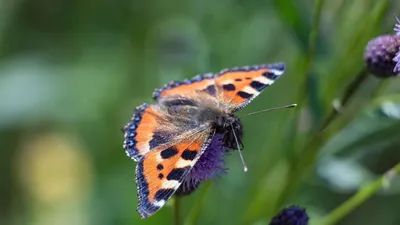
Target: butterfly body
[168, 138]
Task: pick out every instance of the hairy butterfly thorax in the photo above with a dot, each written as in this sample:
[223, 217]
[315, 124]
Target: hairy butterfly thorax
[229, 125]
[220, 122]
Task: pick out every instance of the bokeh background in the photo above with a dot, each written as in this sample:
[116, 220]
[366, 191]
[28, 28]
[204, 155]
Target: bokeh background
[71, 73]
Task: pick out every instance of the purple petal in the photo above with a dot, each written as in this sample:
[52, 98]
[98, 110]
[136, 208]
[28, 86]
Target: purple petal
[211, 162]
[209, 165]
[397, 27]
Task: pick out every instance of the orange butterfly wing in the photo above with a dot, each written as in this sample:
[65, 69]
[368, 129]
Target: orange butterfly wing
[187, 88]
[160, 173]
[165, 154]
[241, 85]
[146, 132]
[233, 88]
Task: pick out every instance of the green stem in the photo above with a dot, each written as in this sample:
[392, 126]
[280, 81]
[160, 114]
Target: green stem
[309, 56]
[381, 87]
[196, 209]
[348, 93]
[361, 196]
[8, 10]
[177, 220]
[309, 153]
[312, 43]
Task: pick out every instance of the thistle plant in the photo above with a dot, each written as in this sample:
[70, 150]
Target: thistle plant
[382, 54]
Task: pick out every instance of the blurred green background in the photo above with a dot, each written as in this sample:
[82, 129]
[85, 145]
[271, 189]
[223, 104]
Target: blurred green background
[71, 73]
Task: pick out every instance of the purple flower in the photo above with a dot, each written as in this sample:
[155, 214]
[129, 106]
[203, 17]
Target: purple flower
[396, 59]
[382, 54]
[292, 215]
[210, 164]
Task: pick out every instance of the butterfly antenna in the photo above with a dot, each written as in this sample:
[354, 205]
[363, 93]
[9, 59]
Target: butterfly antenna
[240, 151]
[270, 109]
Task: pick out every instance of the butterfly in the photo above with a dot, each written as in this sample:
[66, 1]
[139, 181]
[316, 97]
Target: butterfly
[167, 138]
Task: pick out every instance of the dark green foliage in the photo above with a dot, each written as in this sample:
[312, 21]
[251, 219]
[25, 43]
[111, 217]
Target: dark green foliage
[72, 72]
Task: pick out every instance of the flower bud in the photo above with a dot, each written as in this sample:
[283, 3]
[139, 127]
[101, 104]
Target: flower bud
[292, 215]
[382, 56]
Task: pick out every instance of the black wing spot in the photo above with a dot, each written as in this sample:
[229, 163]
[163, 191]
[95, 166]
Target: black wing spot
[270, 75]
[210, 90]
[176, 174]
[248, 78]
[238, 79]
[244, 94]
[160, 176]
[257, 85]
[160, 167]
[188, 154]
[228, 87]
[157, 139]
[169, 152]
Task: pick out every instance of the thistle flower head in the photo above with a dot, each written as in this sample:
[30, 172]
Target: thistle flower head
[210, 164]
[292, 215]
[382, 54]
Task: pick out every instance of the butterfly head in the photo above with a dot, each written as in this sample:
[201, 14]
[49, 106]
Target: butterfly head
[223, 122]
[229, 125]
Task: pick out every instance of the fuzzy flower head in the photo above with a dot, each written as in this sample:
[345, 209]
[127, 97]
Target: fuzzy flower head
[382, 54]
[292, 215]
[210, 164]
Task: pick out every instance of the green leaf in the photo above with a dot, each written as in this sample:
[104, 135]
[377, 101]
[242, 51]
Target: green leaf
[377, 127]
[295, 19]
